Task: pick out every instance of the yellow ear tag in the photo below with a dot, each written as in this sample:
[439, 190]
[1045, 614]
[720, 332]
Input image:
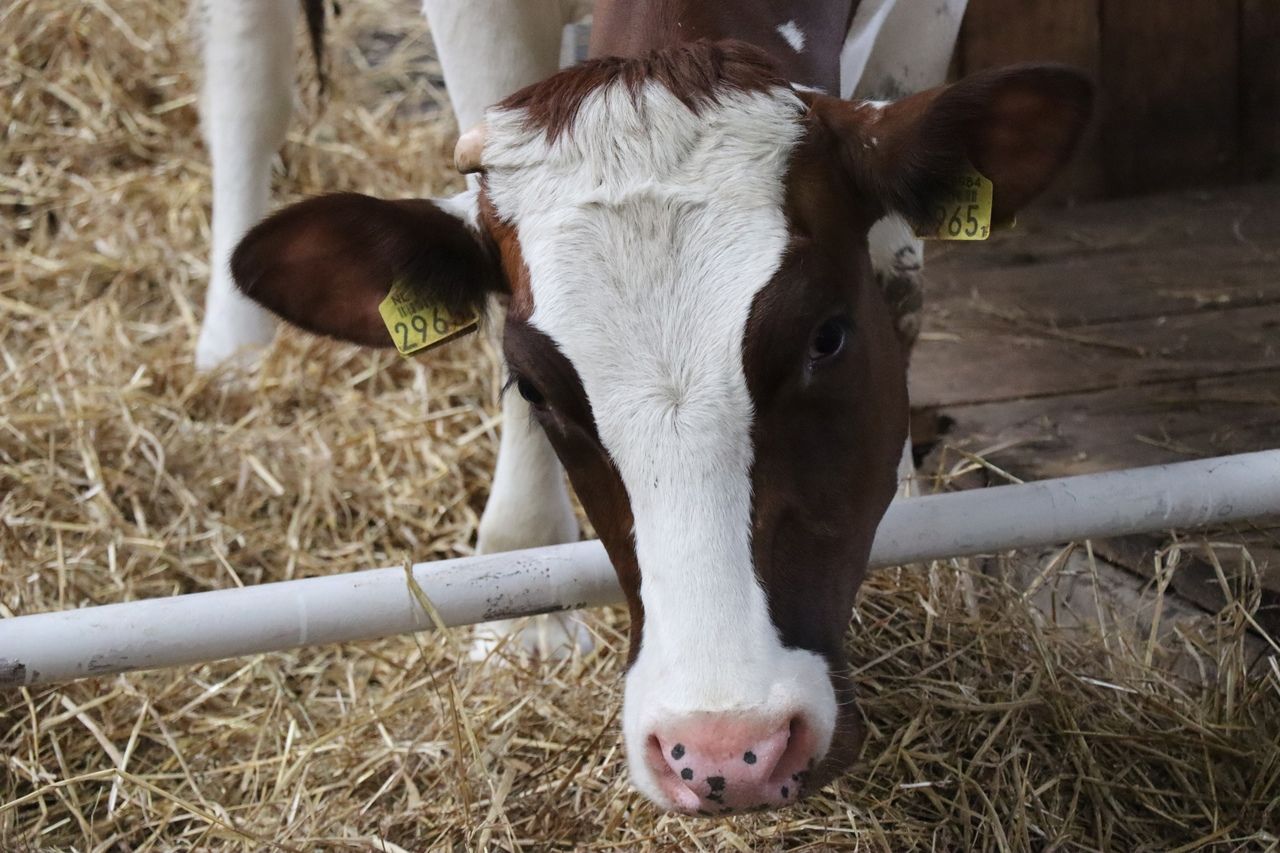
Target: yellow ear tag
[416, 324]
[963, 212]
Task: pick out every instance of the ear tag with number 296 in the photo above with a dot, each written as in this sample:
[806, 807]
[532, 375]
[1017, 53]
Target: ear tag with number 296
[964, 210]
[416, 324]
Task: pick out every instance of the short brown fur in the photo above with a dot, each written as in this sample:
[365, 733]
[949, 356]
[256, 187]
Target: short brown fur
[695, 75]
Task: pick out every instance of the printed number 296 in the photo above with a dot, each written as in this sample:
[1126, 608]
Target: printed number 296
[438, 324]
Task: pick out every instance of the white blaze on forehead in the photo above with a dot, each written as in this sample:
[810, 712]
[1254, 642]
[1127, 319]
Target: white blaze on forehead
[647, 231]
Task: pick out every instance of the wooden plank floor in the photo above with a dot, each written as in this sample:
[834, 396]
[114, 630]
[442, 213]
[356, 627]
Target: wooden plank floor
[1110, 335]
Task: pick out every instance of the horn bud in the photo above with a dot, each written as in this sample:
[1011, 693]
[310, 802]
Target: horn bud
[468, 152]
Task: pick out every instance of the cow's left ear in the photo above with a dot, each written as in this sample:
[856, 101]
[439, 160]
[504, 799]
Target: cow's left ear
[327, 263]
[1018, 126]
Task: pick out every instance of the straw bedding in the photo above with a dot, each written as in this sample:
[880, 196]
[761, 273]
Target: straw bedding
[124, 474]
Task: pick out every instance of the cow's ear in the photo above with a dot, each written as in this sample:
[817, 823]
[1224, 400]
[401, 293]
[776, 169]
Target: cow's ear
[1018, 126]
[325, 264]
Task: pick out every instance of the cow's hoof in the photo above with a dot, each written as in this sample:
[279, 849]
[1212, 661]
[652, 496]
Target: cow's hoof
[554, 636]
[234, 333]
[214, 350]
[211, 358]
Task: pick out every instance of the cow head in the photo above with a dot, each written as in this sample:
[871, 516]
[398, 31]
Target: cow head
[694, 322]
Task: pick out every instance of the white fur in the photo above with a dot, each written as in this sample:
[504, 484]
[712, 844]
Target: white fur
[793, 35]
[894, 247]
[245, 104]
[647, 232]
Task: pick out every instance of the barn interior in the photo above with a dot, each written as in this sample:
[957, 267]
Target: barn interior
[1111, 694]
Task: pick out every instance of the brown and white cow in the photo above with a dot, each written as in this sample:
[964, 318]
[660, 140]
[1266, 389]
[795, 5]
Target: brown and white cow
[679, 230]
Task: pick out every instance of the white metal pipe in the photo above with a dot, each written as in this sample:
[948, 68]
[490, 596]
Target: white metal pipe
[187, 629]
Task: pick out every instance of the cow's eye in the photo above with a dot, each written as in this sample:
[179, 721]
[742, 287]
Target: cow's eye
[530, 392]
[827, 340]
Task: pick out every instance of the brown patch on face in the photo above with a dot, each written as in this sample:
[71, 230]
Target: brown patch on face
[569, 424]
[828, 432]
[501, 235]
[695, 73]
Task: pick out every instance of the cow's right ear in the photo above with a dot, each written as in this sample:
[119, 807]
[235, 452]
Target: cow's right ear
[325, 264]
[1017, 126]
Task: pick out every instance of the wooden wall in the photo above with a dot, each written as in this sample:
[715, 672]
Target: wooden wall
[1190, 89]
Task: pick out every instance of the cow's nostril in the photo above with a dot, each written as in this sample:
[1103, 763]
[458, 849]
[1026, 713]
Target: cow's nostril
[719, 763]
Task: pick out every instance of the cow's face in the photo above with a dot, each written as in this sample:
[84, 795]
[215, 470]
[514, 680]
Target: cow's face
[694, 322]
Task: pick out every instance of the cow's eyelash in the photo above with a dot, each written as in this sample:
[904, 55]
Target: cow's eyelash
[512, 379]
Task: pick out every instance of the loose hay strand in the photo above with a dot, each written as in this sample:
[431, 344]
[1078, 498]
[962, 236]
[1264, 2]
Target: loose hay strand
[125, 475]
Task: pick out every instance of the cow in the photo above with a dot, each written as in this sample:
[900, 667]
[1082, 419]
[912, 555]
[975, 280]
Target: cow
[676, 233]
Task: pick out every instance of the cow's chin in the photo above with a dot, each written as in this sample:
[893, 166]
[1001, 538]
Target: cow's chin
[846, 740]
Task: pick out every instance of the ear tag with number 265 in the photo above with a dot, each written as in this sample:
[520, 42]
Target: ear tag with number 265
[964, 210]
[416, 324]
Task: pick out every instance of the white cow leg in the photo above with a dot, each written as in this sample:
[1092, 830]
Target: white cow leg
[904, 48]
[528, 508]
[868, 20]
[489, 49]
[911, 51]
[245, 106]
[907, 50]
